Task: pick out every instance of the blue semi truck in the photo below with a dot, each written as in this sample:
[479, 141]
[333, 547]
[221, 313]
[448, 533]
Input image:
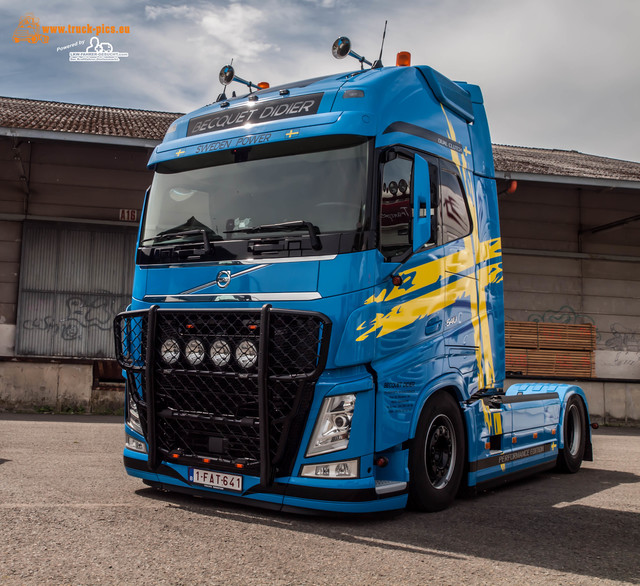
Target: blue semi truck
[317, 315]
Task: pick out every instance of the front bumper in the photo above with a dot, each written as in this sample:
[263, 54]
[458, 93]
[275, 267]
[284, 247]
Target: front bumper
[294, 494]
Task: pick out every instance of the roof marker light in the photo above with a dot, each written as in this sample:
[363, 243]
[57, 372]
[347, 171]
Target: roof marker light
[403, 59]
[264, 85]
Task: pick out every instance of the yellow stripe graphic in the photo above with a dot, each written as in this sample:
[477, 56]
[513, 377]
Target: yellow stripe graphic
[475, 272]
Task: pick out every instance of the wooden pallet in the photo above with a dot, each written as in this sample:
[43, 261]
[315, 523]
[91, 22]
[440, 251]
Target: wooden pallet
[553, 350]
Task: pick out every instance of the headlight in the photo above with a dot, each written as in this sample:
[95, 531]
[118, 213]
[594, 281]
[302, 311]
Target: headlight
[194, 351]
[133, 417]
[220, 353]
[246, 354]
[333, 426]
[170, 351]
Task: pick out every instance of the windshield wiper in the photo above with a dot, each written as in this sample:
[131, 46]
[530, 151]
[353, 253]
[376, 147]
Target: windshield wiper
[181, 233]
[285, 227]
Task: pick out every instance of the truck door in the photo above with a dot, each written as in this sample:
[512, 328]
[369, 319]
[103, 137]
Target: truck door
[460, 314]
[409, 325]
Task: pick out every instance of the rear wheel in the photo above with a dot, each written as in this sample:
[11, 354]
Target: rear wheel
[574, 436]
[437, 455]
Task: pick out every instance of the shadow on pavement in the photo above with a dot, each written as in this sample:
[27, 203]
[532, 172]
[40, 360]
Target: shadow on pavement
[536, 522]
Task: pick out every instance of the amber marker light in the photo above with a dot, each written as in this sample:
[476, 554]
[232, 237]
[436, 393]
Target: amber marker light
[513, 186]
[403, 59]
[263, 85]
[253, 327]
[239, 465]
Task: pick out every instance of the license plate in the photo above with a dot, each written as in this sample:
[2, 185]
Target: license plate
[213, 479]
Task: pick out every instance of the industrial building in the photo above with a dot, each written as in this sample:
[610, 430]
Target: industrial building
[72, 182]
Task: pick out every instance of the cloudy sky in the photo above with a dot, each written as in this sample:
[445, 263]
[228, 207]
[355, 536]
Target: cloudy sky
[555, 73]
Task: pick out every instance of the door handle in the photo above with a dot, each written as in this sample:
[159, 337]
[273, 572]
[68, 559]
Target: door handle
[433, 326]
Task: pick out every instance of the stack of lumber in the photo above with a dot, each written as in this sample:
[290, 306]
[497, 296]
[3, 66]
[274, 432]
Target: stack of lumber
[550, 350]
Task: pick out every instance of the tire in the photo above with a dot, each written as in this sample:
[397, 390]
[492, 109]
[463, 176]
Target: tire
[436, 458]
[574, 436]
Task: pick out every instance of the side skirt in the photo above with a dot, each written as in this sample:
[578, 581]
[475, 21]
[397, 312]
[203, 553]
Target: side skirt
[517, 475]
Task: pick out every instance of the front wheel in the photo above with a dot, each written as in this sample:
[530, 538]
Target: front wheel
[437, 455]
[574, 436]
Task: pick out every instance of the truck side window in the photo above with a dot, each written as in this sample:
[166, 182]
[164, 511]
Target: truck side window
[456, 222]
[396, 210]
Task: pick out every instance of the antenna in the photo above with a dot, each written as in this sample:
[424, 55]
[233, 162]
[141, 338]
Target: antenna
[342, 47]
[378, 64]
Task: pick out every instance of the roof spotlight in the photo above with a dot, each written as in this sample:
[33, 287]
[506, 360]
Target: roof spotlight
[226, 75]
[342, 47]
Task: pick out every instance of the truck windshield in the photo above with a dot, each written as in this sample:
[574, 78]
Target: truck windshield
[250, 194]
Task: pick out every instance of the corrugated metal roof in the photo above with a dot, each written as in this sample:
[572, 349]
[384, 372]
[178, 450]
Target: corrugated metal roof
[151, 125]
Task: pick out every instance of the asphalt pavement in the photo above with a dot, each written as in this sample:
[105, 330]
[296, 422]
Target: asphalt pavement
[70, 515]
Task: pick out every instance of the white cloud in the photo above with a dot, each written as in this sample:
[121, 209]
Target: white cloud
[236, 29]
[554, 73]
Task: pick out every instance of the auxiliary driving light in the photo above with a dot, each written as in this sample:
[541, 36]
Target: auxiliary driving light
[346, 469]
[194, 351]
[170, 351]
[246, 354]
[220, 353]
[134, 444]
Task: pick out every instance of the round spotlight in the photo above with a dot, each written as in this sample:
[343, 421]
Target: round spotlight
[403, 186]
[170, 351]
[194, 351]
[393, 188]
[226, 75]
[246, 354]
[341, 47]
[220, 353]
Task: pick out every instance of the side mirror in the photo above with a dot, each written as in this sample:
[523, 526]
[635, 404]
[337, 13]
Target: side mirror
[421, 203]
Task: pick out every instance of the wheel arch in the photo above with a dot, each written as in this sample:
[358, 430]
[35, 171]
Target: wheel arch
[452, 384]
[566, 392]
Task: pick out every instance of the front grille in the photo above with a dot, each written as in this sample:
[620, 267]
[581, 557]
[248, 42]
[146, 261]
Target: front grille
[232, 387]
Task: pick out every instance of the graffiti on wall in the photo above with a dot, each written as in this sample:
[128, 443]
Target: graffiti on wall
[623, 340]
[81, 315]
[565, 315]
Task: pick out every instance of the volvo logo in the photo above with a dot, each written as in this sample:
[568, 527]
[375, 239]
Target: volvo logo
[223, 279]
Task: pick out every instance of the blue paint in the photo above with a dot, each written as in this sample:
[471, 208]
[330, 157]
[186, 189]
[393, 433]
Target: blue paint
[439, 326]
